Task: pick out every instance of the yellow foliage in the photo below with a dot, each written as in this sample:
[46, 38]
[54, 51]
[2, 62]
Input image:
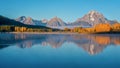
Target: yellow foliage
[90, 29]
[5, 28]
[20, 29]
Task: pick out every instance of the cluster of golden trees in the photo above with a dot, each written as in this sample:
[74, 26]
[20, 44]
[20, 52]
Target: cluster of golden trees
[24, 29]
[6, 28]
[20, 29]
[116, 27]
[102, 27]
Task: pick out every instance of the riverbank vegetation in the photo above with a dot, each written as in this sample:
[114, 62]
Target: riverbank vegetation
[99, 28]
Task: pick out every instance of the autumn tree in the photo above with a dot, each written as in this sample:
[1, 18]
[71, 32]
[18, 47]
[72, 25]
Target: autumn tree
[103, 27]
[116, 27]
[66, 29]
[5, 28]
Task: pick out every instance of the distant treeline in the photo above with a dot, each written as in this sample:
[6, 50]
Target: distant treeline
[10, 28]
[99, 28]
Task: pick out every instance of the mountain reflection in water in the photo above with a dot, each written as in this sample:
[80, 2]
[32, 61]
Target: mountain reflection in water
[93, 44]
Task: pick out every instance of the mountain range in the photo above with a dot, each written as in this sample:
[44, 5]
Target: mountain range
[88, 20]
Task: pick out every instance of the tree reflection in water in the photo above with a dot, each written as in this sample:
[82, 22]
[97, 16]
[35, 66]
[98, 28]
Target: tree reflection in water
[93, 44]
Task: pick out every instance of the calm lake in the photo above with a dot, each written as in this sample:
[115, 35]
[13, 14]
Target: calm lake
[59, 50]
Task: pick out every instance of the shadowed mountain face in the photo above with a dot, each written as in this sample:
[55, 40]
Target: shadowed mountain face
[93, 44]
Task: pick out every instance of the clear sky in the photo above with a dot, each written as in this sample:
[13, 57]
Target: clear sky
[68, 10]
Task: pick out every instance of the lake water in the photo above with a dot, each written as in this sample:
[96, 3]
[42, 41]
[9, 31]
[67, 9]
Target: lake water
[59, 51]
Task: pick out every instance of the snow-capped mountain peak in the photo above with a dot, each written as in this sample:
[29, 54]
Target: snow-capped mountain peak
[21, 19]
[44, 20]
[93, 18]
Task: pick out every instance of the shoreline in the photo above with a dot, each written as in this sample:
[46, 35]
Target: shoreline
[40, 32]
[60, 33]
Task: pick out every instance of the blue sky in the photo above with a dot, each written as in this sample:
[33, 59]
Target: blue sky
[68, 10]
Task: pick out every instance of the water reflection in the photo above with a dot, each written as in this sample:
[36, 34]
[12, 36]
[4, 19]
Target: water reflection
[93, 44]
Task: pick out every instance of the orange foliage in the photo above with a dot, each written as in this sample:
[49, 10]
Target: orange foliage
[116, 27]
[102, 27]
